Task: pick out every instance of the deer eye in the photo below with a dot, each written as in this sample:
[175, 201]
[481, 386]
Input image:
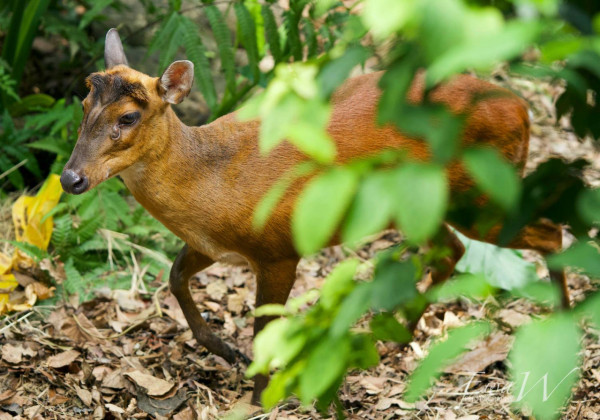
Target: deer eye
[129, 119]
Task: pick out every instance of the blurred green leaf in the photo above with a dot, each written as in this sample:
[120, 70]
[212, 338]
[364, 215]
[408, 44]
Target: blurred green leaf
[583, 255]
[421, 195]
[543, 377]
[384, 326]
[384, 17]
[316, 216]
[393, 283]
[465, 285]
[351, 309]
[276, 345]
[494, 175]
[540, 292]
[364, 352]
[588, 206]
[483, 52]
[326, 362]
[339, 282]
[364, 217]
[337, 70]
[270, 200]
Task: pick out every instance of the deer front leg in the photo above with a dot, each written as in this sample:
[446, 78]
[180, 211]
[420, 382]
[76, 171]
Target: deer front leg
[274, 282]
[187, 263]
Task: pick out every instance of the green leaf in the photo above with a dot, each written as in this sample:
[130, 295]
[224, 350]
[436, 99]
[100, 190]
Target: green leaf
[588, 206]
[271, 309]
[364, 353]
[325, 364]
[484, 51]
[281, 385]
[494, 176]
[590, 308]
[440, 355]
[385, 17]
[544, 364]
[316, 216]
[339, 282]
[98, 7]
[394, 283]
[31, 250]
[421, 195]
[502, 267]
[351, 309]
[542, 293]
[384, 326]
[268, 203]
[372, 208]
[583, 255]
[276, 345]
[465, 285]
[336, 71]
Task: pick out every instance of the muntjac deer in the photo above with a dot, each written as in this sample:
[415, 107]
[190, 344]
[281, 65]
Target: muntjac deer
[204, 183]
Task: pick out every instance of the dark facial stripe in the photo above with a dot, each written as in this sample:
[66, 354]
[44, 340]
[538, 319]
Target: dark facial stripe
[108, 88]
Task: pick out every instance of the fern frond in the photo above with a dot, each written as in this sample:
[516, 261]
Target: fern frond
[163, 33]
[247, 28]
[88, 228]
[197, 54]
[33, 251]
[291, 20]
[63, 226]
[223, 38]
[74, 282]
[272, 33]
[310, 37]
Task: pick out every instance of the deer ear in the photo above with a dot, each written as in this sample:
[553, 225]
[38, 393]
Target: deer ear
[176, 82]
[113, 50]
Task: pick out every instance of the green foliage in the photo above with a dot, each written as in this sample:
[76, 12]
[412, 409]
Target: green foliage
[316, 215]
[544, 377]
[19, 38]
[493, 175]
[85, 238]
[444, 37]
[501, 267]
[315, 46]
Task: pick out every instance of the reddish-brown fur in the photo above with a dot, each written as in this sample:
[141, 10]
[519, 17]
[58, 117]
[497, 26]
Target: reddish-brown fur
[204, 183]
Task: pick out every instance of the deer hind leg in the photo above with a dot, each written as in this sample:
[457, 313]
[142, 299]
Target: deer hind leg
[274, 282]
[187, 263]
[443, 267]
[546, 238]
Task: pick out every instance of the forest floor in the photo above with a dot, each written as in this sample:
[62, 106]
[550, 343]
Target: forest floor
[124, 355]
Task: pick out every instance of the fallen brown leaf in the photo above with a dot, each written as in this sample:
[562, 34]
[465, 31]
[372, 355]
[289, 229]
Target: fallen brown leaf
[155, 387]
[14, 353]
[63, 359]
[494, 349]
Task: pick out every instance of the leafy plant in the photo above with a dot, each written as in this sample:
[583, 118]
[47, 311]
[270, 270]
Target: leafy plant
[443, 37]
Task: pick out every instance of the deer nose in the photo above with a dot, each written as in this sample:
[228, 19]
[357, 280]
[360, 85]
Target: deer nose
[72, 182]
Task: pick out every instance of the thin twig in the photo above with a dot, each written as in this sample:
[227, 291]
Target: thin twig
[27, 315]
[155, 299]
[14, 168]
[112, 337]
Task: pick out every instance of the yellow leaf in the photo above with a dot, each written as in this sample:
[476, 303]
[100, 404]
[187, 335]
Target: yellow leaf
[28, 213]
[5, 263]
[7, 283]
